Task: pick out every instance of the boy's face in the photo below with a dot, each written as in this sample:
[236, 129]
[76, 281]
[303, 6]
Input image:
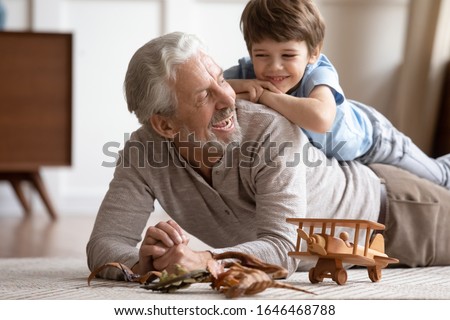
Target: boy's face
[281, 63]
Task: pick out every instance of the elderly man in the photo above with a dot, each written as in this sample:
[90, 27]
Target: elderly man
[231, 172]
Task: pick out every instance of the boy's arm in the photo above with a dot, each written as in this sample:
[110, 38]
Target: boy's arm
[315, 113]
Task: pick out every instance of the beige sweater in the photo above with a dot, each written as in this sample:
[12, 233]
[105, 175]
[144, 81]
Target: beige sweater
[274, 174]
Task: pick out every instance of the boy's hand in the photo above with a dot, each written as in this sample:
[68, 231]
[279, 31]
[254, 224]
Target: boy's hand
[251, 89]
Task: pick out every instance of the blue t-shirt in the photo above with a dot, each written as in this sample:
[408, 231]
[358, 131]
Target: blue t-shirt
[351, 134]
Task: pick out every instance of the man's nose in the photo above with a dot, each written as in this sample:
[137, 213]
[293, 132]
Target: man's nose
[225, 98]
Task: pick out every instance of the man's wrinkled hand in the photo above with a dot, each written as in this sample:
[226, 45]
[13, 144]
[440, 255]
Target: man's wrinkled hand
[157, 241]
[183, 255]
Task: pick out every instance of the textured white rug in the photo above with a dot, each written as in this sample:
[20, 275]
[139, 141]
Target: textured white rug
[66, 279]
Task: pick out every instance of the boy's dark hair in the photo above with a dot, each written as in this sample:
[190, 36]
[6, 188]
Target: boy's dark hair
[282, 20]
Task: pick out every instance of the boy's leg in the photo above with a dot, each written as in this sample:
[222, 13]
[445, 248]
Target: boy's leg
[416, 161]
[392, 147]
[417, 218]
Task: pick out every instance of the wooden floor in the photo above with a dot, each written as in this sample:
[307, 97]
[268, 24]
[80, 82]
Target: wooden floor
[39, 236]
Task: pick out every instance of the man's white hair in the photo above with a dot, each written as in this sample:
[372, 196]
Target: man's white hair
[152, 71]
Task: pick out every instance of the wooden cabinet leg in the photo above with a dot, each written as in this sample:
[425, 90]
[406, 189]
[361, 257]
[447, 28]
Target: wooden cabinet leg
[16, 178]
[40, 187]
[16, 184]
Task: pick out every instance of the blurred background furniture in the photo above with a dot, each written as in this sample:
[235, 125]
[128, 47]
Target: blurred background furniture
[442, 140]
[35, 108]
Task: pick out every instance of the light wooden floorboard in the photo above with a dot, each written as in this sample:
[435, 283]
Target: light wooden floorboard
[39, 236]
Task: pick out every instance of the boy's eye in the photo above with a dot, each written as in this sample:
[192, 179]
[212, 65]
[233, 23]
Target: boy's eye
[289, 55]
[260, 55]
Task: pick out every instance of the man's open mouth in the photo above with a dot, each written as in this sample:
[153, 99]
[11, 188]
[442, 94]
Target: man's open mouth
[224, 125]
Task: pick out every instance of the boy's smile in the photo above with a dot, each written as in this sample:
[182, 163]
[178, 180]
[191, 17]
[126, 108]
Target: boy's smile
[281, 63]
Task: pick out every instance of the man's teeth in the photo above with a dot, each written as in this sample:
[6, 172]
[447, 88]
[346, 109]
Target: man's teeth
[224, 124]
[229, 124]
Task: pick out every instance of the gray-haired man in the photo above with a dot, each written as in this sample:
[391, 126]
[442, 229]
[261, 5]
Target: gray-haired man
[231, 172]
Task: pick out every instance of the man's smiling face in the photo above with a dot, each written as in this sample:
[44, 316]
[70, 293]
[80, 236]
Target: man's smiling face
[206, 102]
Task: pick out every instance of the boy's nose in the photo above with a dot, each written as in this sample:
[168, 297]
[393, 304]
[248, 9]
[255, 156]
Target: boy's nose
[276, 64]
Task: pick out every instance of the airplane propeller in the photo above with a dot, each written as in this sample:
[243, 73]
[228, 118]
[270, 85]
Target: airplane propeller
[313, 246]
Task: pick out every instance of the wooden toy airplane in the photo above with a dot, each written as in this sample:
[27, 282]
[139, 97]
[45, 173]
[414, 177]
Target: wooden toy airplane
[331, 252]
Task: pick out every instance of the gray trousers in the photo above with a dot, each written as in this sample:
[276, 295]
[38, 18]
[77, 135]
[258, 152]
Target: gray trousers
[417, 218]
[390, 146]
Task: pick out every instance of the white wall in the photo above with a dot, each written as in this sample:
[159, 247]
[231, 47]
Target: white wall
[364, 38]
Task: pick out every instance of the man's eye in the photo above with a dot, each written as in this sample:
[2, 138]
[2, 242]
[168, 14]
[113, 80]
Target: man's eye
[204, 95]
[202, 98]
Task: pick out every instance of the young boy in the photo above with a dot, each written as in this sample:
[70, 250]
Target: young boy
[287, 72]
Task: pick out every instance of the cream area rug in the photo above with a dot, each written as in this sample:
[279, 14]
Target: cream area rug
[66, 279]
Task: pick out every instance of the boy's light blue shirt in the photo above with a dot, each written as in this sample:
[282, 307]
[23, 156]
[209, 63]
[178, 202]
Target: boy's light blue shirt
[351, 134]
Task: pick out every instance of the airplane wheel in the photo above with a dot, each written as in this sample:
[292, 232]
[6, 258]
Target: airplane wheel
[340, 276]
[312, 277]
[374, 274]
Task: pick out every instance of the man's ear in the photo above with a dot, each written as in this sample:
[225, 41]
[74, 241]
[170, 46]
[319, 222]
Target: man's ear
[163, 125]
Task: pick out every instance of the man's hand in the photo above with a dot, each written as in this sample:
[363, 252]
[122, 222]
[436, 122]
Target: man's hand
[157, 241]
[183, 255]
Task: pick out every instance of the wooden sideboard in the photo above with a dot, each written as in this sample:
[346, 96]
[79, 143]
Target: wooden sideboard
[35, 108]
